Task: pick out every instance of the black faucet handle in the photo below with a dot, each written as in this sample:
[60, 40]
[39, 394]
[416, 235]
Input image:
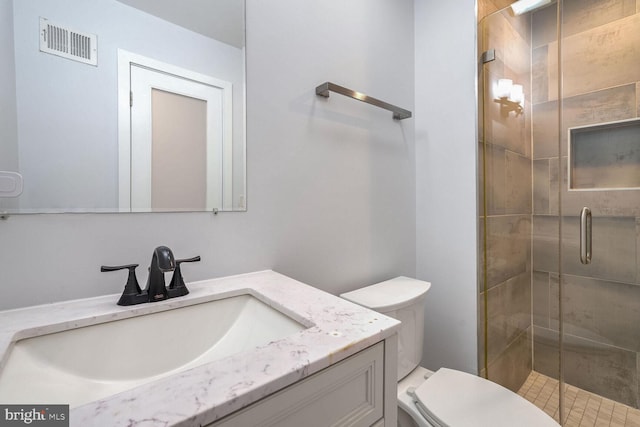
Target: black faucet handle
[194, 259]
[105, 268]
[132, 293]
[177, 286]
[132, 285]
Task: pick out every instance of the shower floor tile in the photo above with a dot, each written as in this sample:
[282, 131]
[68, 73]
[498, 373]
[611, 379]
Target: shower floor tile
[582, 408]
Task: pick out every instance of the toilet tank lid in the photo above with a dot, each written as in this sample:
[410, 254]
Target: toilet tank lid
[390, 294]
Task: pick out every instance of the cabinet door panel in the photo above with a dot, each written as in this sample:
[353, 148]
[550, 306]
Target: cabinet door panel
[348, 393]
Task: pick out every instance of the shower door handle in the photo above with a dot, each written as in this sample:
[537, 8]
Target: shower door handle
[585, 236]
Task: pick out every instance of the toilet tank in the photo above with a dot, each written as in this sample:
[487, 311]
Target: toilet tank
[401, 298]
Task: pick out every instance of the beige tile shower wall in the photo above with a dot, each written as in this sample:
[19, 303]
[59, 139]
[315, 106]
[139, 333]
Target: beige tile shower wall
[602, 57]
[509, 36]
[544, 71]
[514, 362]
[544, 296]
[545, 186]
[509, 176]
[593, 366]
[584, 15]
[509, 317]
[614, 247]
[610, 203]
[614, 322]
[638, 257]
[506, 135]
[601, 302]
[508, 248]
[607, 105]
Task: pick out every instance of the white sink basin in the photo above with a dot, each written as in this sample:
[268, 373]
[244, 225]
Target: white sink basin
[81, 365]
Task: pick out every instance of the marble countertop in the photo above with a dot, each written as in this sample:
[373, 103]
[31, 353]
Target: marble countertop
[336, 329]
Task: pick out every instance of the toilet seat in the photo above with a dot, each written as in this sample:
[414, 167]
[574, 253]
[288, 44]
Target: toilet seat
[457, 399]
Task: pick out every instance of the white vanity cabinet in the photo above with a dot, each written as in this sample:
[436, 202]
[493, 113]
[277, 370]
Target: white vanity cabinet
[332, 362]
[349, 393]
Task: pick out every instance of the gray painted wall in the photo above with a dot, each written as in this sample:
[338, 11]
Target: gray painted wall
[9, 134]
[8, 117]
[446, 179]
[331, 183]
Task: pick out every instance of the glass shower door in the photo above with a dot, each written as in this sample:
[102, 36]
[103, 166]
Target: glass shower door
[520, 332]
[559, 290]
[599, 177]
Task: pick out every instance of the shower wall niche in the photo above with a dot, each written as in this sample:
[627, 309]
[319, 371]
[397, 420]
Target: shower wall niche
[605, 156]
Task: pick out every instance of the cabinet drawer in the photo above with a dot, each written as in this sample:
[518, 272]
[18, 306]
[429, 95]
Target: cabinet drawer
[349, 393]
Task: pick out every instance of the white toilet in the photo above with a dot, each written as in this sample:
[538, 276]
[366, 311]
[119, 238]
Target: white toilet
[446, 397]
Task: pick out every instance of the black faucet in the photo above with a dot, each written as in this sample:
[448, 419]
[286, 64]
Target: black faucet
[161, 262]
[156, 290]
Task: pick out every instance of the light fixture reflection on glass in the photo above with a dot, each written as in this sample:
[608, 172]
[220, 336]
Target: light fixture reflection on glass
[510, 96]
[517, 94]
[504, 88]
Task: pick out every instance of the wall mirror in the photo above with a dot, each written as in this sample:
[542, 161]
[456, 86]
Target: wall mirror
[122, 105]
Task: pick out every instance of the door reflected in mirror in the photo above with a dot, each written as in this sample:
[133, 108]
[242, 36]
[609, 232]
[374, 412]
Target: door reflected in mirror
[154, 123]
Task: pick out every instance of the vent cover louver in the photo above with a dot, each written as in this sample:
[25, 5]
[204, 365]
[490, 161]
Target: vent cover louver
[67, 43]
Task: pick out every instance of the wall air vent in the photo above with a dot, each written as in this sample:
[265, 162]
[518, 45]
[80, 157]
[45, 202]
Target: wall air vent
[67, 43]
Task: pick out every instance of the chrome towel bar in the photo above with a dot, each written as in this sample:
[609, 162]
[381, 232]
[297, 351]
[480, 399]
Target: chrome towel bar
[326, 87]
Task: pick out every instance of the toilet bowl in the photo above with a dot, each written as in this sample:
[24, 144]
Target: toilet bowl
[446, 397]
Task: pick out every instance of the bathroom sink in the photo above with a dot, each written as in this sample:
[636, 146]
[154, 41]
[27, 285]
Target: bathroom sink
[81, 365]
